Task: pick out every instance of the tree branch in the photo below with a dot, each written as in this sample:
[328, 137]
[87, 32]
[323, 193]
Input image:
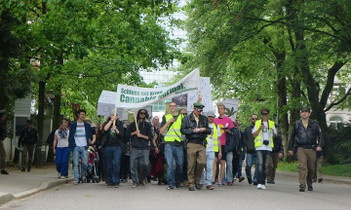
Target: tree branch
[330, 82]
[338, 102]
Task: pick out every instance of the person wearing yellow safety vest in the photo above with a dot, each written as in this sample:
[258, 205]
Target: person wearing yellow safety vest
[170, 129]
[212, 147]
[263, 132]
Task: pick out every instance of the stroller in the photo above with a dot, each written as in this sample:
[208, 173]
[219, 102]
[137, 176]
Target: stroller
[93, 161]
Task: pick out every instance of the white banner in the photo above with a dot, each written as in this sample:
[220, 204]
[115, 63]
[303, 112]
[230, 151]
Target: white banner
[231, 107]
[136, 97]
[205, 94]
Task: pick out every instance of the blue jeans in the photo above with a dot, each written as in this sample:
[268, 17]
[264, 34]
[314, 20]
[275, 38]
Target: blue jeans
[262, 165]
[209, 169]
[174, 173]
[240, 166]
[229, 168]
[250, 160]
[137, 155]
[113, 164]
[83, 153]
[62, 157]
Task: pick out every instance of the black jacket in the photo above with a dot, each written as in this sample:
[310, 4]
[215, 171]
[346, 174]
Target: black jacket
[28, 136]
[113, 139]
[145, 129]
[2, 130]
[249, 140]
[308, 138]
[278, 144]
[188, 125]
[232, 140]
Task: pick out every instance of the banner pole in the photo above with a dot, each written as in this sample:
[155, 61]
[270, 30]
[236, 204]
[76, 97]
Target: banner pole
[136, 122]
[114, 122]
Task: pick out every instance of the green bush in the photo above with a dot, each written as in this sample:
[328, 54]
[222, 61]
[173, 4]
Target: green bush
[338, 146]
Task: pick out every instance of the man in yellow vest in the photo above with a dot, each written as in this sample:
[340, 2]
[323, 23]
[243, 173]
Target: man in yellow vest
[170, 129]
[212, 149]
[263, 132]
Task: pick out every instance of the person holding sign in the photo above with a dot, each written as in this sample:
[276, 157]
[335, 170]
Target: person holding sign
[195, 127]
[170, 129]
[141, 135]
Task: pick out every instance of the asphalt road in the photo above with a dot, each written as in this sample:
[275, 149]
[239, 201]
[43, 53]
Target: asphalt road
[283, 195]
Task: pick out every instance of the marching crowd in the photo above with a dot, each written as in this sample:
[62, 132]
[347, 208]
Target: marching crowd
[185, 150]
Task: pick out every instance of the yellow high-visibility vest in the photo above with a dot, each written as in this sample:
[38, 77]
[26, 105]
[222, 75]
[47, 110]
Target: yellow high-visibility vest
[258, 139]
[173, 131]
[214, 138]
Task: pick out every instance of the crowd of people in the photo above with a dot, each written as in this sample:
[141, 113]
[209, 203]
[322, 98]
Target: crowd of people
[193, 150]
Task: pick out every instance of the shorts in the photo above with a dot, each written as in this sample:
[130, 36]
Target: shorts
[224, 154]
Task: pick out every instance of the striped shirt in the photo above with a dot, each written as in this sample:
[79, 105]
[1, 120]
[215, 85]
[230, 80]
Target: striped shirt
[80, 136]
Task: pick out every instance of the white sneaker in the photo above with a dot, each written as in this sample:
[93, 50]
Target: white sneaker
[59, 175]
[259, 186]
[263, 187]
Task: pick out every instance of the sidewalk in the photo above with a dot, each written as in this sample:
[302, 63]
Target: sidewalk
[22, 184]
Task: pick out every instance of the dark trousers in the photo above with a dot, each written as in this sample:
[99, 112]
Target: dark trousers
[28, 149]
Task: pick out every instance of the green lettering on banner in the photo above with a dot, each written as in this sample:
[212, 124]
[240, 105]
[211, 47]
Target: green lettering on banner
[134, 100]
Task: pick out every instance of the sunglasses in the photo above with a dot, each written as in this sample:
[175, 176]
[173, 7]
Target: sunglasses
[253, 118]
[199, 110]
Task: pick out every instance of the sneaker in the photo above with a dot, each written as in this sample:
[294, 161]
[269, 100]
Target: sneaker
[109, 185]
[116, 186]
[310, 188]
[23, 169]
[28, 169]
[3, 171]
[230, 183]
[270, 182]
[84, 180]
[320, 180]
[220, 185]
[255, 183]
[198, 186]
[249, 180]
[170, 187]
[210, 187]
[145, 182]
[263, 187]
[302, 189]
[259, 186]
[241, 179]
[59, 175]
[76, 182]
[191, 189]
[63, 177]
[134, 185]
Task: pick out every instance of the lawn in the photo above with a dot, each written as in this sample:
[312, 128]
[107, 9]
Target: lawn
[327, 169]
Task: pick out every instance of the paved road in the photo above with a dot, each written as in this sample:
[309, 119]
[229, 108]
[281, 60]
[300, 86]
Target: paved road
[283, 195]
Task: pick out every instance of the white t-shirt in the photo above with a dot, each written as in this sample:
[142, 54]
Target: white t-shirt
[209, 147]
[80, 137]
[62, 138]
[265, 136]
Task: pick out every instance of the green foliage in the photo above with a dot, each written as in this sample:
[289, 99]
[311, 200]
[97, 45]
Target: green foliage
[327, 169]
[338, 148]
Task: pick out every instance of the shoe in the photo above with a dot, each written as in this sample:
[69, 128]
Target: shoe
[213, 183]
[109, 185]
[76, 182]
[63, 177]
[198, 186]
[249, 180]
[177, 185]
[220, 185]
[191, 189]
[28, 169]
[134, 185]
[263, 187]
[170, 187]
[241, 179]
[230, 183]
[319, 180]
[145, 182]
[255, 183]
[59, 175]
[302, 189]
[314, 180]
[210, 187]
[310, 188]
[84, 180]
[270, 182]
[116, 186]
[23, 169]
[3, 171]
[259, 186]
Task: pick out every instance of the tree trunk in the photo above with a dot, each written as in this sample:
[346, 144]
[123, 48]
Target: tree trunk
[40, 122]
